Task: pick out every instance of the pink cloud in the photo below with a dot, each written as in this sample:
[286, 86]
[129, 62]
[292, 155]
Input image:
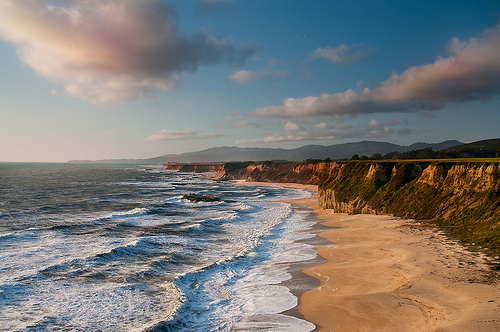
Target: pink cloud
[110, 50]
[471, 72]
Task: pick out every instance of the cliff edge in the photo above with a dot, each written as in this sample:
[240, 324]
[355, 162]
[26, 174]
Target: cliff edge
[462, 197]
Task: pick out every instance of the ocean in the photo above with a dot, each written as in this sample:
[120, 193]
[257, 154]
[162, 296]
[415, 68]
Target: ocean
[86, 247]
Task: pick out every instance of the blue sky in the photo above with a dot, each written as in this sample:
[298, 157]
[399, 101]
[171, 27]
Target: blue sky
[95, 79]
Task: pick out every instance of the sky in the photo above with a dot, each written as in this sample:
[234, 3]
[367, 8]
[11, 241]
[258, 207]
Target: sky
[108, 79]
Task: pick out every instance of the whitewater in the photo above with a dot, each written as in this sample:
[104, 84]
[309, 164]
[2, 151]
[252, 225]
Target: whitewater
[116, 247]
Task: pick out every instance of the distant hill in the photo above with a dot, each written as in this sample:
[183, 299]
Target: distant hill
[337, 151]
[487, 144]
[488, 148]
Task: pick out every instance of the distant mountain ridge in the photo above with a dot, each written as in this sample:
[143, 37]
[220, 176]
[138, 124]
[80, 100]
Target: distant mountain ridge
[337, 151]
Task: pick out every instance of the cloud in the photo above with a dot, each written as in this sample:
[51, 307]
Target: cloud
[236, 121]
[470, 72]
[290, 126]
[240, 124]
[171, 135]
[345, 54]
[323, 131]
[109, 51]
[243, 77]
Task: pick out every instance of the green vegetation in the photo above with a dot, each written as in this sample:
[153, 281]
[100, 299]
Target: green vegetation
[483, 149]
[460, 197]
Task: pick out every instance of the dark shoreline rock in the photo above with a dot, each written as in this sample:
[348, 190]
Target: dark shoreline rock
[201, 198]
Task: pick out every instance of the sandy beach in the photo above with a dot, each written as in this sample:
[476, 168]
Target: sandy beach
[387, 274]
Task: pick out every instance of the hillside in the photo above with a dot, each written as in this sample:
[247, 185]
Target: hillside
[335, 152]
[462, 197]
[489, 148]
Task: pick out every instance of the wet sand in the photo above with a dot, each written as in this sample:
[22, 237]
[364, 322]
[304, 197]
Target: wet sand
[387, 274]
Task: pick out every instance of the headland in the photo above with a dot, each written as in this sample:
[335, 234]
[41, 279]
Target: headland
[402, 256]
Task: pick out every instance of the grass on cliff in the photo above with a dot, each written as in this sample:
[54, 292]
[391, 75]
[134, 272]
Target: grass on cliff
[472, 216]
[443, 160]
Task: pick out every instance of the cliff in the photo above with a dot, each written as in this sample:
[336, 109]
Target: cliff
[463, 197]
[273, 171]
[217, 168]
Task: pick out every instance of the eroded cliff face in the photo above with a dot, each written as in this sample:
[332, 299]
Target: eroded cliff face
[463, 197]
[217, 168]
[284, 172]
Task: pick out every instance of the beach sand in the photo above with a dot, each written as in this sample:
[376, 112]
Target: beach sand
[388, 274]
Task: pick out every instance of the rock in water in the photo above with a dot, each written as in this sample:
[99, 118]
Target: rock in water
[201, 198]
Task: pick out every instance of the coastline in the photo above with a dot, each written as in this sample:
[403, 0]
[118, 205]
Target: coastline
[385, 273]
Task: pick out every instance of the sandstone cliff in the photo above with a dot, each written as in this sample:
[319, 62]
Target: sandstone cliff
[463, 197]
[284, 172]
[217, 168]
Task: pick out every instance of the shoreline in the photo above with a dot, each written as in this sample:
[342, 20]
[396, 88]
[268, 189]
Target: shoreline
[386, 273]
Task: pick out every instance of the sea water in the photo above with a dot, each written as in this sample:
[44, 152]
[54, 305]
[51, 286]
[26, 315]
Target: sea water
[87, 247]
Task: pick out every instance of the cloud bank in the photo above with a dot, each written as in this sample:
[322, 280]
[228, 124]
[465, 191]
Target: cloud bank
[323, 131]
[109, 51]
[172, 135]
[236, 121]
[470, 72]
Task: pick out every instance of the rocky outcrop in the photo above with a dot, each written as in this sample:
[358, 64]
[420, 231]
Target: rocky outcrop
[201, 198]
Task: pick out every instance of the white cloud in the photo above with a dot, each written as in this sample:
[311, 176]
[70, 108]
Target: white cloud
[188, 133]
[243, 77]
[290, 126]
[321, 126]
[471, 72]
[324, 131]
[110, 51]
[345, 54]
[236, 121]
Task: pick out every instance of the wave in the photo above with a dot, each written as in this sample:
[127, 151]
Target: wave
[27, 233]
[126, 259]
[136, 212]
[82, 306]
